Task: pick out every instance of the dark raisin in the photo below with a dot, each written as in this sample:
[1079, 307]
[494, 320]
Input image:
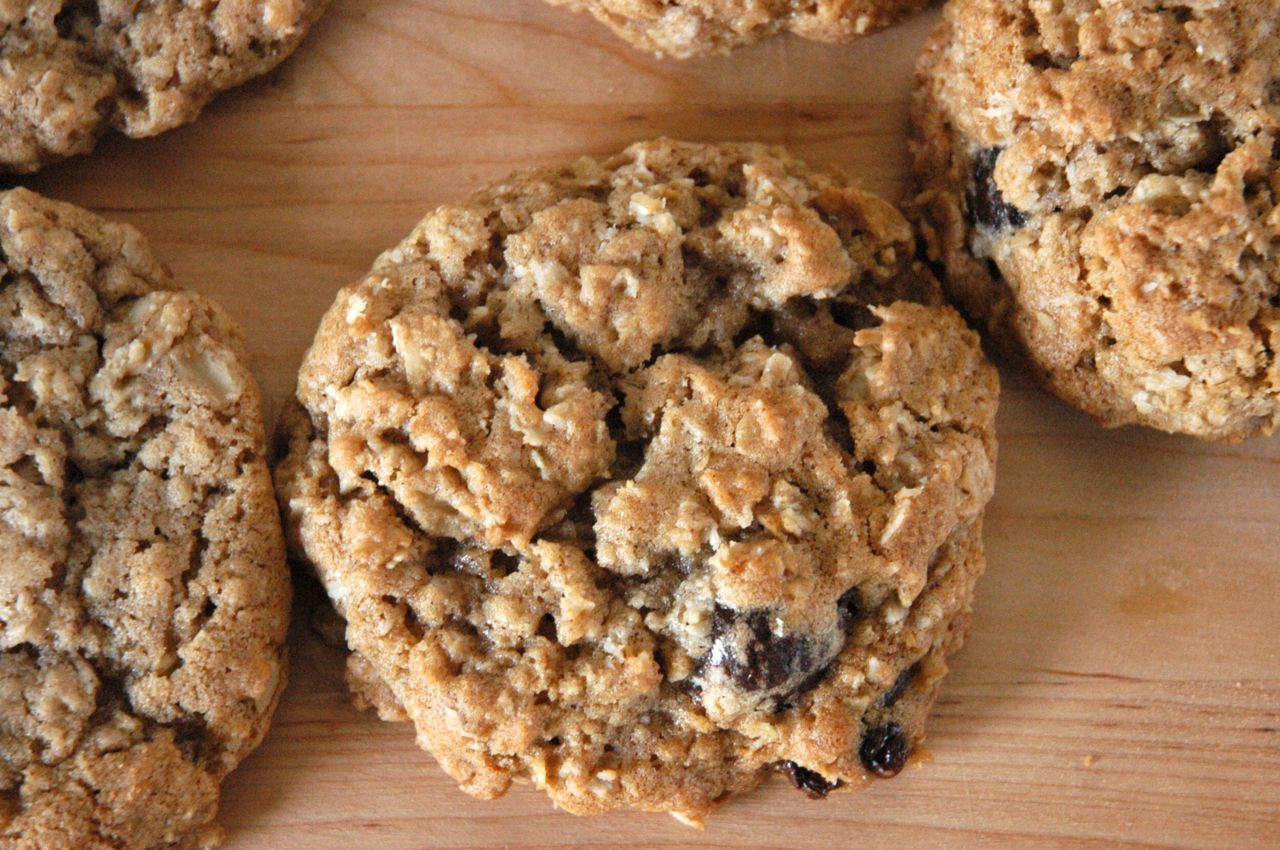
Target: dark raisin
[191, 726]
[850, 605]
[812, 783]
[191, 736]
[987, 207]
[747, 650]
[884, 750]
[899, 686]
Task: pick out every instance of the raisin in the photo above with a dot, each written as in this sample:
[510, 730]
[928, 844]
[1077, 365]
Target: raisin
[743, 645]
[987, 207]
[899, 686]
[192, 738]
[812, 783]
[884, 750]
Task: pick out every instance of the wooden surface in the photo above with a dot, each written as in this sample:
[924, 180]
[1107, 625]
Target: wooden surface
[1122, 683]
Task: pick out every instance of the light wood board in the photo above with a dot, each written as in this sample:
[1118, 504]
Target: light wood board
[1122, 683]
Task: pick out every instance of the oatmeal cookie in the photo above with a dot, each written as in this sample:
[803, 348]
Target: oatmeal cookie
[646, 476]
[1101, 181]
[144, 593]
[72, 69]
[685, 28]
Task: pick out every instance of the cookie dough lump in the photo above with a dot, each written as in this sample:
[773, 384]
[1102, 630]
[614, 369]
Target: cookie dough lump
[643, 477]
[143, 592]
[1101, 181]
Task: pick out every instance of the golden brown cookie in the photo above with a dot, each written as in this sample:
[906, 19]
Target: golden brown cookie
[143, 594]
[70, 71]
[1102, 183]
[684, 28]
[643, 477]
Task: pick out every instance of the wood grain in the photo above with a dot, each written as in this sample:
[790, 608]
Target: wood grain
[1122, 684]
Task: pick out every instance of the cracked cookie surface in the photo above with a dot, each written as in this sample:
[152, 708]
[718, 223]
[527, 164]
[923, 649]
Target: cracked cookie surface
[685, 28]
[1101, 181]
[144, 593]
[74, 69]
[643, 477]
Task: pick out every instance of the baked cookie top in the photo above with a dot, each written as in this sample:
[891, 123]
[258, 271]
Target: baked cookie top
[642, 476]
[73, 70]
[684, 28]
[1101, 181]
[144, 593]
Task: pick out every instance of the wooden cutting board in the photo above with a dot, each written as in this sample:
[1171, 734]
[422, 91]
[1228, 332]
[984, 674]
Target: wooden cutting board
[1122, 682]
